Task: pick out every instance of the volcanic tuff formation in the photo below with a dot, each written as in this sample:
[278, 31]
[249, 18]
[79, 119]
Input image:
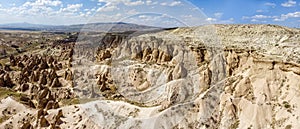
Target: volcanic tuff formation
[220, 76]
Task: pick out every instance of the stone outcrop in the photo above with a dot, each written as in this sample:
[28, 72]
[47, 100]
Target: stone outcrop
[244, 77]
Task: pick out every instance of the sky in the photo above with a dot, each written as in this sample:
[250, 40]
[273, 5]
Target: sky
[152, 12]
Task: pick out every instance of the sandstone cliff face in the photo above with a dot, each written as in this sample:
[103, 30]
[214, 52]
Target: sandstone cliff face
[221, 76]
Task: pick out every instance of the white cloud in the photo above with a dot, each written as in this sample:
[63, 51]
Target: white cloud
[187, 16]
[284, 17]
[164, 4]
[292, 15]
[273, 5]
[34, 8]
[255, 20]
[229, 21]
[218, 15]
[134, 3]
[132, 12]
[261, 16]
[256, 17]
[289, 3]
[108, 7]
[72, 8]
[112, 5]
[88, 13]
[218, 21]
[172, 4]
[279, 19]
[43, 3]
[211, 19]
[259, 11]
[150, 2]
[175, 3]
[125, 2]
[58, 12]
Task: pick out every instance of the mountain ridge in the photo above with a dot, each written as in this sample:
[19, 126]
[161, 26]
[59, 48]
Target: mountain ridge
[99, 26]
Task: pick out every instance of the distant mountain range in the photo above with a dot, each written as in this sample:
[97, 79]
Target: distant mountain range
[94, 27]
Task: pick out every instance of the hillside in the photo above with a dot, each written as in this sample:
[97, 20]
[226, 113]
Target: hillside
[218, 76]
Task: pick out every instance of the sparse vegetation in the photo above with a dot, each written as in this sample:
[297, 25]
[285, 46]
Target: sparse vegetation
[286, 104]
[235, 125]
[5, 92]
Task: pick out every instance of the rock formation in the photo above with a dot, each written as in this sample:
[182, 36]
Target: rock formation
[221, 76]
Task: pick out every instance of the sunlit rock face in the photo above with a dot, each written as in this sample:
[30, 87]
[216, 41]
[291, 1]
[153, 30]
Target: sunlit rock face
[241, 79]
[164, 72]
[221, 76]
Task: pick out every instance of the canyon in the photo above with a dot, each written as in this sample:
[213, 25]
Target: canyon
[213, 76]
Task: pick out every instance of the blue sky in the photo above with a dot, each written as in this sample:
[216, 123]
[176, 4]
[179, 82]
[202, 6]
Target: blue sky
[152, 12]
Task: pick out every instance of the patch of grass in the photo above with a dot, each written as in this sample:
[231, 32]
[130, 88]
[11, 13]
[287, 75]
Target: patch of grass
[5, 92]
[288, 127]
[235, 125]
[74, 101]
[4, 61]
[3, 119]
[286, 104]
[67, 102]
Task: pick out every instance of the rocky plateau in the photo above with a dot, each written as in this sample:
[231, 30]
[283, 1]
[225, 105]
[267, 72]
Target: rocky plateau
[213, 76]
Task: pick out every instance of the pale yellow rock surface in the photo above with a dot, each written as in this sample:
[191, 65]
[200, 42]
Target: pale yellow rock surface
[247, 76]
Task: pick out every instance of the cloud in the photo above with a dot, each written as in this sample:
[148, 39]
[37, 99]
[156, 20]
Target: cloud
[229, 21]
[132, 12]
[72, 8]
[282, 17]
[273, 5]
[175, 3]
[289, 3]
[262, 11]
[292, 15]
[172, 4]
[287, 16]
[125, 2]
[134, 3]
[150, 2]
[259, 11]
[161, 20]
[218, 21]
[33, 8]
[108, 7]
[261, 17]
[211, 19]
[43, 3]
[255, 20]
[218, 15]
[45, 12]
[258, 17]
[61, 12]
[112, 5]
